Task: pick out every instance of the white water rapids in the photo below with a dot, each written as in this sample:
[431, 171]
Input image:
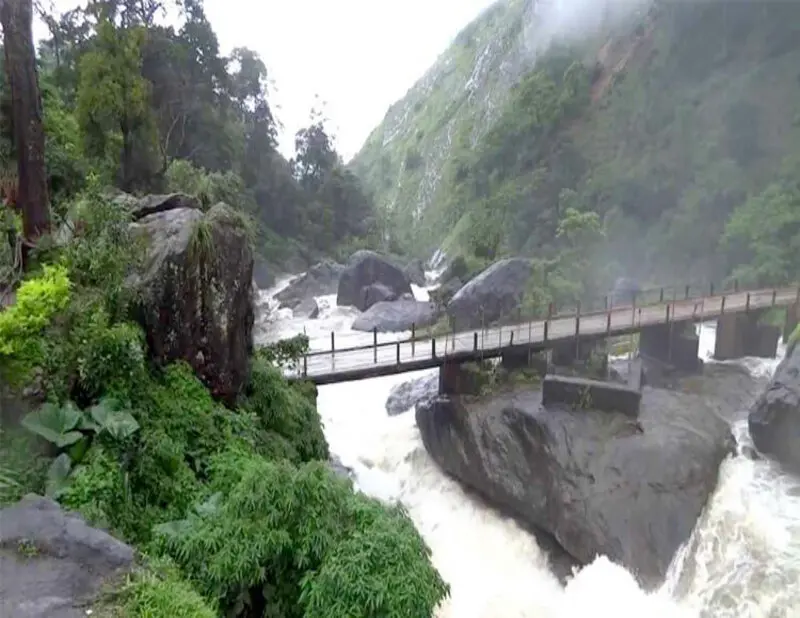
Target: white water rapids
[743, 560]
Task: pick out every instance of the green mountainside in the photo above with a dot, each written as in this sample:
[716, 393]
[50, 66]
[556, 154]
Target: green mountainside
[666, 147]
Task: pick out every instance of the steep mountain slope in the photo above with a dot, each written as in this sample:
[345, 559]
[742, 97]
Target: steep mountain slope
[661, 124]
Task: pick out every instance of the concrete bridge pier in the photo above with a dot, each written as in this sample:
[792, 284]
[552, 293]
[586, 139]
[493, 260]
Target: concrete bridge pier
[675, 344]
[740, 335]
[791, 322]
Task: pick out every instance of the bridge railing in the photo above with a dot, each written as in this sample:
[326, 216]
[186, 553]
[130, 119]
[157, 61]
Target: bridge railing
[672, 297]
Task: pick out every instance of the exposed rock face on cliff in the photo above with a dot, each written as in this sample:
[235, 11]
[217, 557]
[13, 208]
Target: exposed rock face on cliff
[196, 292]
[370, 278]
[494, 294]
[598, 482]
[51, 563]
[775, 417]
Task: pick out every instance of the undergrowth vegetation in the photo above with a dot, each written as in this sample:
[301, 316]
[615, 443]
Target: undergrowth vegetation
[235, 512]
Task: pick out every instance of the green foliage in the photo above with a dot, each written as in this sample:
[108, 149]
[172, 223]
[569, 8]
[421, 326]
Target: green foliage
[23, 466]
[285, 352]
[151, 596]
[39, 299]
[274, 533]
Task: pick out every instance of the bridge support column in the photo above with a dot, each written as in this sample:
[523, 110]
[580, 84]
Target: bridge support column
[676, 344]
[791, 322]
[740, 334]
[462, 378]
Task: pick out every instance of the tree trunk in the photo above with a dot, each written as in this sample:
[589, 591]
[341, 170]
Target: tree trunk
[16, 17]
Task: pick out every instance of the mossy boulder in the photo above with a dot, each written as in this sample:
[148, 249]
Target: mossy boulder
[196, 293]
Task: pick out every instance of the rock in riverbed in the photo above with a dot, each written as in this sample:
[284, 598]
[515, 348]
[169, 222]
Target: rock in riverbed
[775, 417]
[598, 482]
[396, 315]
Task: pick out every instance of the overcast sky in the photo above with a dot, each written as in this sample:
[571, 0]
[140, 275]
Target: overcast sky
[359, 56]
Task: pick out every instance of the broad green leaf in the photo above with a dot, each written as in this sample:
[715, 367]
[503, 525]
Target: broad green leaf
[58, 475]
[119, 424]
[56, 424]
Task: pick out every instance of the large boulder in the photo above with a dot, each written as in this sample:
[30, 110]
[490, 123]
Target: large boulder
[321, 279]
[494, 294]
[196, 293]
[365, 269]
[150, 204]
[51, 563]
[775, 417]
[445, 292]
[408, 394]
[415, 272]
[598, 482]
[398, 315]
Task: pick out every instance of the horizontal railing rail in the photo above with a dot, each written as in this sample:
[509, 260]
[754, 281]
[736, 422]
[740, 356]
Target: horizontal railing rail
[668, 297]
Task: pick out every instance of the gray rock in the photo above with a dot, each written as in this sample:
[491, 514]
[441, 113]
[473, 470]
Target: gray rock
[598, 482]
[494, 294]
[51, 563]
[201, 315]
[415, 272]
[321, 279]
[405, 396]
[309, 308]
[774, 420]
[396, 316]
[367, 268]
[338, 468]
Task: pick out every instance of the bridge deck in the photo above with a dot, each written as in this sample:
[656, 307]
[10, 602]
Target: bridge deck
[392, 357]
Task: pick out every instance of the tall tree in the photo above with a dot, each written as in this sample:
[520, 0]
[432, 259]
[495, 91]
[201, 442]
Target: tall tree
[32, 199]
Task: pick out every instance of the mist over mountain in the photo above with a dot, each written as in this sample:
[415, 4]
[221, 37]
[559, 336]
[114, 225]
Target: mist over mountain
[666, 131]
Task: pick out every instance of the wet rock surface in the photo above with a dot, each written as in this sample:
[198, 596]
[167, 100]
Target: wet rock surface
[397, 315]
[51, 563]
[774, 419]
[321, 279]
[492, 295]
[405, 396]
[365, 269]
[597, 482]
[196, 295]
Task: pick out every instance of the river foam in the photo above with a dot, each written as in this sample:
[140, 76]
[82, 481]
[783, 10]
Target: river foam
[742, 561]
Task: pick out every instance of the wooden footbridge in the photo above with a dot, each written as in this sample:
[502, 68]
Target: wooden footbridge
[329, 364]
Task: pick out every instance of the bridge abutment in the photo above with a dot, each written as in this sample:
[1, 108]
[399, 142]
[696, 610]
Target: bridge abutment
[676, 344]
[741, 334]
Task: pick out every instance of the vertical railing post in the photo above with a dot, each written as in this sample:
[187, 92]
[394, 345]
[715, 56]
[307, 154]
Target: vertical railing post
[375, 345]
[747, 304]
[774, 297]
[333, 345]
[608, 323]
[722, 305]
[475, 341]
[667, 313]
[510, 339]
[413, 337]
[433, 347]
[305, 365]
[661, 295]
[546, 328]
[633, 308]
[398, 352]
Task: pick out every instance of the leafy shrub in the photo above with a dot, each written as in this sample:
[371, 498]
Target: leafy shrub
[273, 533]
[39, 299]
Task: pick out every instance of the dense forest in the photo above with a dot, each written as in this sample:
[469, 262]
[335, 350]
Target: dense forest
[220, 505]
[666, 148]
[146, 107]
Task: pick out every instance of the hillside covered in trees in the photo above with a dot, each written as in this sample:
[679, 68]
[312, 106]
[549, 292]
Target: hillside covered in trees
[663, 146]
[147, 107]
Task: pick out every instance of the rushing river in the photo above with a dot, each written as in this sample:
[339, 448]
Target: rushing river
[743, 560]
